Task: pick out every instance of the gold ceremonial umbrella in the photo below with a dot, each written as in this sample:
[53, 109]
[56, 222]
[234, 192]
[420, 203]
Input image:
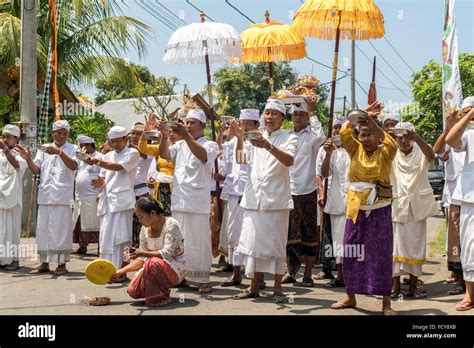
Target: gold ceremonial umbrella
[335, 19]
[270, 42]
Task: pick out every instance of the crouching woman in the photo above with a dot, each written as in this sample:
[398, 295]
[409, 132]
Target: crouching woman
[160, 258]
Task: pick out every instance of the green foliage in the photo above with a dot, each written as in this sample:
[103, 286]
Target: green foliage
[9, 110]
[141, 83]
[426, 113]
[95, 126]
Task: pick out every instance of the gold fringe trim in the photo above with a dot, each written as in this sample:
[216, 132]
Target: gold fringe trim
[274, 54]
[409, 261]
[353, 25]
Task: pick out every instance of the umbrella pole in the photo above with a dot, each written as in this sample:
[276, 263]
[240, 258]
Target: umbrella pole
[333, 98]
[271, 81]
[213, 130]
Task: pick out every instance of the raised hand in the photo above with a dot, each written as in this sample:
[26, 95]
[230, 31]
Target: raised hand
[328, 146]
[151, 121]
[238, 129]
[374, 109]
[24, 152]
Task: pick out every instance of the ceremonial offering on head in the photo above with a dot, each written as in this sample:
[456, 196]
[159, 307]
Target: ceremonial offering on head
[99, 271]
[252, 135]
[305, 87]
[356, 116]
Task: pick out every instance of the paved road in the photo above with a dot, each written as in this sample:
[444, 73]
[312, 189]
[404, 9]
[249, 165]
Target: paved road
[22, 294]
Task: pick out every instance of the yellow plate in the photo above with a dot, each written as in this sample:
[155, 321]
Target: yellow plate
[99, 271]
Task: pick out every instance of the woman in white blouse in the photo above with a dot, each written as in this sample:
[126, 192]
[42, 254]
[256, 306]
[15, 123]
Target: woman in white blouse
[159, 260]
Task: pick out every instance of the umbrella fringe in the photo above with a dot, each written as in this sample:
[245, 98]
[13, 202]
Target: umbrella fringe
[273, 54]
[353, 25]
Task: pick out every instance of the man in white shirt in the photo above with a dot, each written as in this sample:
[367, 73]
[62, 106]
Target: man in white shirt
[194, 158]
[303, 231]
[12, 168]
[413, 204]
[57, 166]
[117, 197]
[85, 218]
[461, 138]
[336, 165]
[141, 179]
[236, 176]
[453, 163]
[266, 201]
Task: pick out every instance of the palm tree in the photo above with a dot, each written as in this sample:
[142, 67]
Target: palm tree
[92, 36]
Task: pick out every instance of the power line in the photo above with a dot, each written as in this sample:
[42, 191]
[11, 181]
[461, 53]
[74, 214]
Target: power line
[243, 14]
[389, 65]
[179, 19]
[381, 72]
[398, 54]
[157, 15]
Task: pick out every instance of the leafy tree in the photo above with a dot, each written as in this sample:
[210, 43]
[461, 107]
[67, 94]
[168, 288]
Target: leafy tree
[247, 86]
[95, 126]
[426, 112]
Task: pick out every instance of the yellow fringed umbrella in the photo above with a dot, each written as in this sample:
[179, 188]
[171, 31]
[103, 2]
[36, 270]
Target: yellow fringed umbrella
[270, 42]
[335, 19]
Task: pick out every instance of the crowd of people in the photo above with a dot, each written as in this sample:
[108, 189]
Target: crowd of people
[356, 203]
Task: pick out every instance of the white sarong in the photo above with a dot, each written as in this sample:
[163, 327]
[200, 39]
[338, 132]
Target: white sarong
[262, 244]
[338, 225]
[409, 246]
[54, 233]
[467, 240]
[115, 234]
[10, 229]
[197, 245]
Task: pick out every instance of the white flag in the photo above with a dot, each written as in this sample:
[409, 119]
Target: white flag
[452, 91]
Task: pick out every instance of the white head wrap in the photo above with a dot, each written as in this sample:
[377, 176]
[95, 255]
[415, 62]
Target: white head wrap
[138, 127]
[391, 116]
[117, 132]
[197, 114]
[301, 107]
[250, 114]
[273, 104]
[84, 139]
[61, 124]
[405, 125]
[468, 103]
[12, 130]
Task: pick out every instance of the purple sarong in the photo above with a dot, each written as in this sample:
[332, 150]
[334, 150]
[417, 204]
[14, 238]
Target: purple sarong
[368, 248]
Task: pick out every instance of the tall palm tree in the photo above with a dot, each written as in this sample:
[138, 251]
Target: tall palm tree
[92, 36]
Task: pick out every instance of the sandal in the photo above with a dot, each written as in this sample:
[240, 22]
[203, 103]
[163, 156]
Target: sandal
[453, 278]
[122, 279]
[12, 267]
[39, 270]
[246, 295]
[394, 295]
[389, 312]
[279, 297]
[231, 282]
[60, 271]
[335, 283]
[307, 282]
[205, 289]
[464, 306]
[80, 251]
[417, 295]
[225, 269]
[288, 279]
[458, 290]
[323, 275]
[342, 305]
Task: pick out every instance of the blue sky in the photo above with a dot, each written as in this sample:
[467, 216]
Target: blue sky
[413, 27]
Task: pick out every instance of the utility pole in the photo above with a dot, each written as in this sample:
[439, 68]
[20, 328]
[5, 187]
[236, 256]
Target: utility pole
[28, 104]
[353, 85]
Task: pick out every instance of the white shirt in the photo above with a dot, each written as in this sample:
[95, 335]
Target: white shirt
[236, 175]
[465, 188]
[119, 194]
[337, 194]
[303, 172]
[141, 177]
[453, 165]
[411, 187]
[269, 184]
[11, 181]
[85, 174]
[192, 179]
[57, 181]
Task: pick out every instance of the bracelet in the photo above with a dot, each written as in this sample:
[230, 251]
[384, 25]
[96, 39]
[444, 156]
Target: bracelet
[271, 148]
